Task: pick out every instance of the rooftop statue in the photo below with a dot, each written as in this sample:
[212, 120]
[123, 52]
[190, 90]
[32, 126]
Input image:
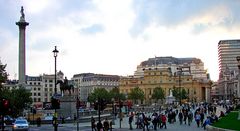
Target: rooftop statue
[22, 14]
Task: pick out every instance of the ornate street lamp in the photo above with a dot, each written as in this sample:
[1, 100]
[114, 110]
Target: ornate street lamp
[55, 52]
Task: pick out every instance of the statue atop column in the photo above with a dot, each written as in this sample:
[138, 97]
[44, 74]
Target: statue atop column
[22, 14]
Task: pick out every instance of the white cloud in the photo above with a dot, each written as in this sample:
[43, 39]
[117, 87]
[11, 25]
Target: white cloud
[113, 50]
[34, 7]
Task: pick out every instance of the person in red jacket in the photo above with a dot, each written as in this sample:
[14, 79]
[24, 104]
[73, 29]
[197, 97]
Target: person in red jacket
[164, 121]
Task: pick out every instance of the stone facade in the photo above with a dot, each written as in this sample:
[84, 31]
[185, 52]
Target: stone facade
[164, 78]
[87, 82]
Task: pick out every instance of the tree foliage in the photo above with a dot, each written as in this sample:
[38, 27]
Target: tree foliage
[158, 94]
[179, 94]
[3, 74]
[115, 94]
[99, 93]
[19, 98]
[136, 94]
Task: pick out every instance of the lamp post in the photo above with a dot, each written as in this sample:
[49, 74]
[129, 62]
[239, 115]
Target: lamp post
[179, 82]
[238, 90]
[55, 52]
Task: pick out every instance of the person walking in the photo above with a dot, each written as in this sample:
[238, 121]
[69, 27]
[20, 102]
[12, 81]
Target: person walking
[38, 121]
[190, 117]
[164, 121]
[180, 117]
[93, 125]
[197, 118]
[202, 117]
[106, 125]
[130, 120]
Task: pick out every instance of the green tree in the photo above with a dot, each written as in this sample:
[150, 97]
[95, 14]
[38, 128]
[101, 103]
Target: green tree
[136, 94]
[115, 93]
[184, 94]
[19, 98]
[3, 75]
[99, 93]
[176, 93]
[158, 94]
[180, 94]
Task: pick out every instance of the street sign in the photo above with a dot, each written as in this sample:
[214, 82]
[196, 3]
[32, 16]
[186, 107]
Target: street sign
[57, 96]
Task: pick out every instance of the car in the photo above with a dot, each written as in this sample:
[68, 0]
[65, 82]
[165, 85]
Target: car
[48, 118]
[20, 124]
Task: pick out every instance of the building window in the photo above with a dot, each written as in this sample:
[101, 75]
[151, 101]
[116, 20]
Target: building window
[39, 83]
[45, 100]
[35, 99]
[46, 89]
[39, 94]
[34, 94]
[39, 99]
[46, 94]
[34, 88]
[30, 83]
[50, 89]
[45, 80]
[34, 83]
[50, 81]
[39, 89]
[45, 85]
[50, 85]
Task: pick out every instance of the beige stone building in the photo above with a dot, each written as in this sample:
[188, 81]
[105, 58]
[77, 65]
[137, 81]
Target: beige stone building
[164, 78]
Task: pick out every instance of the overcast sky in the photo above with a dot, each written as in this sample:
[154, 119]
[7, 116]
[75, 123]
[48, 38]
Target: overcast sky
[114, 36]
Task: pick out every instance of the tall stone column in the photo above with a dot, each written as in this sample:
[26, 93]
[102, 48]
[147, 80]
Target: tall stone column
[22, 57]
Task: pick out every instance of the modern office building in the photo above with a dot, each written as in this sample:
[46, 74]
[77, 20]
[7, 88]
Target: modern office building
[228, 84]
[87, 82]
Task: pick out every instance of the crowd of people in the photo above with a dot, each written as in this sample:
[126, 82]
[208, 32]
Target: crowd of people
[202, 114]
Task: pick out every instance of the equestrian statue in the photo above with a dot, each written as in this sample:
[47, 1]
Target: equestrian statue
[65, 86]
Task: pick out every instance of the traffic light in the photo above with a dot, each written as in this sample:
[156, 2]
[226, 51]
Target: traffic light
[96, 106]
[55, 103]
[78, 103]
[103, 104]
[5, 106]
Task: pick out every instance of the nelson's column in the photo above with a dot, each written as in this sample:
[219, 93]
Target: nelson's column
[22, 59]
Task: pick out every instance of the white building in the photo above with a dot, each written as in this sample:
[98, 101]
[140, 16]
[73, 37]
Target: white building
[42, 87]
[193, 66]
[87, 82]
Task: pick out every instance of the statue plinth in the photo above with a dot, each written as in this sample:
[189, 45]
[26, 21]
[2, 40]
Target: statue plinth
[68, 106]
[170, 99]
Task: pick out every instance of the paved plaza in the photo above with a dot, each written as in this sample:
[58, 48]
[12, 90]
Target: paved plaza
[116, 127]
